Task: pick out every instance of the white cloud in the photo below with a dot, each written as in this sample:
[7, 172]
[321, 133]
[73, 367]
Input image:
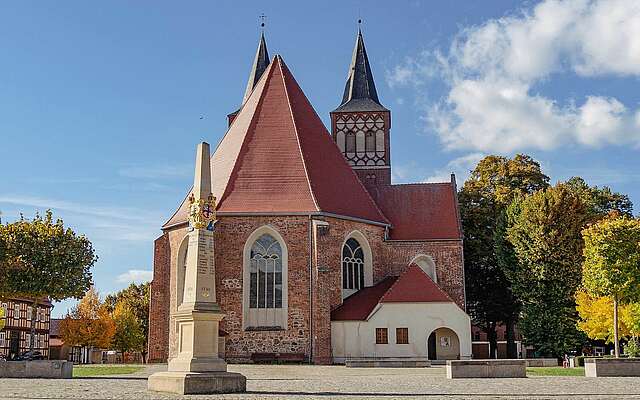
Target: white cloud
[124, 213]
[105, 223]
[491, 69]
[135, 275]
[461, 166]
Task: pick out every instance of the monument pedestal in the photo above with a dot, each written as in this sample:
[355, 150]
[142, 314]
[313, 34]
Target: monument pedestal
[197, 369]
[197, 382]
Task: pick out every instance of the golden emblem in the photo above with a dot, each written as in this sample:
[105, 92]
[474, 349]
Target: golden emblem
[201, 211]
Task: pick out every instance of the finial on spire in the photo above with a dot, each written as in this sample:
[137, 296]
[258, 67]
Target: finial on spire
[263, 18]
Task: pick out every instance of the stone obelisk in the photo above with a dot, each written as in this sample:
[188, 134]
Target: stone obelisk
[197, 369]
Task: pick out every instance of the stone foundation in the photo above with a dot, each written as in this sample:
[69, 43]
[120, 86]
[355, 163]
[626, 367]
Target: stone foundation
[197, 383]
[391, 362]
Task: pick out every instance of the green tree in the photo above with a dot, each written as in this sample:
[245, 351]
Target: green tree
[493, 184]
[545, 231]
[128, 335]
[612, 263]
[600, 201]
[137, 297]
[48, 261]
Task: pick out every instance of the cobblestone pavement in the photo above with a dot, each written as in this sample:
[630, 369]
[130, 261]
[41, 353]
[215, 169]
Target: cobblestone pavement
[296, 381]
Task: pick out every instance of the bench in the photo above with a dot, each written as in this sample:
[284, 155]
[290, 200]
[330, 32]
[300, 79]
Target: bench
[596, 367]
[541, 362]
[486, 369]
[277, 357]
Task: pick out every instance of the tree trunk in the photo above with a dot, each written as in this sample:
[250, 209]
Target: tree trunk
[34, 310]
[615, 327]
[512, 350]
[493, 340]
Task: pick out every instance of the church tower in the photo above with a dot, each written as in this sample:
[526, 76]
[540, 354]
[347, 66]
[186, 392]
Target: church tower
[360, 125]
[260, 64]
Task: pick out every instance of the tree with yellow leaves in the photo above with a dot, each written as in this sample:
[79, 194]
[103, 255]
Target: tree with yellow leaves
[89, 323]
[2, 317]
[612, 264]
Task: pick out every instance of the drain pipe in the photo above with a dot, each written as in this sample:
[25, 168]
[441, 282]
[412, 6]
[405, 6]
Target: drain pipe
[310, 290]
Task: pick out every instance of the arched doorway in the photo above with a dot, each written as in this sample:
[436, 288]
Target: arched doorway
[443, 344]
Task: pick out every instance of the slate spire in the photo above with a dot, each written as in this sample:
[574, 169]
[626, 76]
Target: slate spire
[360, 90]
[260, 64]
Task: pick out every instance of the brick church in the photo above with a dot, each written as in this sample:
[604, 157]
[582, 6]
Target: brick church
[318, 256]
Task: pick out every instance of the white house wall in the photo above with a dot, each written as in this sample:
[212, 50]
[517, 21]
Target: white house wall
[358, 338]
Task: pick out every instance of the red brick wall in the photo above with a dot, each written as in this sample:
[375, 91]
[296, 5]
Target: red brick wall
[231, 236]
[447, 255]
[159, 308]
[328, 282]
[389, 258]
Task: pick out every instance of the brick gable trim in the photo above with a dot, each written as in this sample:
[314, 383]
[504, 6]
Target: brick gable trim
[289, 214]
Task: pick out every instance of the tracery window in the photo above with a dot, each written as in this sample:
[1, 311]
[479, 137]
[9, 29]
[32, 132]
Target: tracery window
[352, 265]
[265, 274]
[265, 281]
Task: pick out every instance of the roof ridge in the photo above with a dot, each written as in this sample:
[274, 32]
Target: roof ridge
[420, 270]
[420, 183]
[265, 76]
[279, 62]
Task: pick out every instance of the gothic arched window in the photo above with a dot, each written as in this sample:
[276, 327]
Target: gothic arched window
[265, 273]
[265, 280]
[352, 265]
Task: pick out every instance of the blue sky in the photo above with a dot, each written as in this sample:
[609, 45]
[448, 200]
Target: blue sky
[103, 103]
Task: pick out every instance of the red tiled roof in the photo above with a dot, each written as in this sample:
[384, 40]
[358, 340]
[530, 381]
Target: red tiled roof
[359, 305]
[420, 211]
[277, 156]
[415, 286]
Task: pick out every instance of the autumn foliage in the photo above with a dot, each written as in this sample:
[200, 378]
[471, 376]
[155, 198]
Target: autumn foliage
[89, 324]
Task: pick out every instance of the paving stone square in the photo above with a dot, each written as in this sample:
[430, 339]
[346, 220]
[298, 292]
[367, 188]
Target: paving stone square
[334, 382]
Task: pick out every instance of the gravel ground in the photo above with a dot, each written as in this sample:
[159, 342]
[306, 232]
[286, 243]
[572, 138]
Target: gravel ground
[295, 381]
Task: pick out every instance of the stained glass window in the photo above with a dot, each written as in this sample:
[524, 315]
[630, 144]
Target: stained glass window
[352, 265]
[265, 273]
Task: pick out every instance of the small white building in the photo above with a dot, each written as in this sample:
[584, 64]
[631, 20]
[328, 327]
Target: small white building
[405, 316]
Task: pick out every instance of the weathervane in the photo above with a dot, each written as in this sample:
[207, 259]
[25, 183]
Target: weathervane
[263, 18]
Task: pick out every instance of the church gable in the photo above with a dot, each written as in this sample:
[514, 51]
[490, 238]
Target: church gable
[277, 157]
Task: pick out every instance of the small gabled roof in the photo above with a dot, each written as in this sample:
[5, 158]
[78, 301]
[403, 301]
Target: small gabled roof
[415, 286]
[360, 90]
[277, 157]
[412, 286]
[359, 305]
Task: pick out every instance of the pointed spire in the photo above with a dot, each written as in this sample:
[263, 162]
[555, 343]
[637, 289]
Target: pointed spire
[260, 64]
[360, 87]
